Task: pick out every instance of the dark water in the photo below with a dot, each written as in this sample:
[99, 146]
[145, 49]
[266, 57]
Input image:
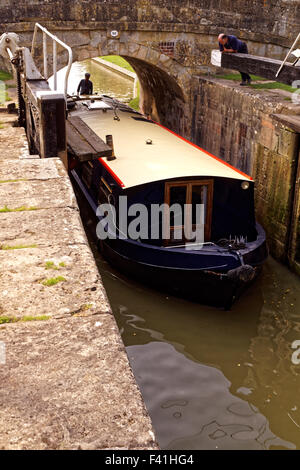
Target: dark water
[212, 379]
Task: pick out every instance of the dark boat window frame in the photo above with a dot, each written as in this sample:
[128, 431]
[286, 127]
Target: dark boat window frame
[189, 191]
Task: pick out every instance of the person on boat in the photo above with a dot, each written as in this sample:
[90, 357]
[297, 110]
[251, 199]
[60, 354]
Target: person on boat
[85, 86]
[231, 44]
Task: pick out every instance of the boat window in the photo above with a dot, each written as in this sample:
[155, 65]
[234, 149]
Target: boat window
[192, 193]
[178, 195]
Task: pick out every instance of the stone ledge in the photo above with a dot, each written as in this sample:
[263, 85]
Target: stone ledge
[28, 275]
[53, 227]
[68, 385]
[37, 194]
[36, 169]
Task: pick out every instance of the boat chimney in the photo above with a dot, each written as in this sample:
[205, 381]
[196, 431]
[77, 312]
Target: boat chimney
[110, 143]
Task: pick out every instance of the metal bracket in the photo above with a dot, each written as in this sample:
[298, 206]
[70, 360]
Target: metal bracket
[9, 44]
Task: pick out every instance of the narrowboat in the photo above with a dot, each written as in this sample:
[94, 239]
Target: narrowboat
[150, 166]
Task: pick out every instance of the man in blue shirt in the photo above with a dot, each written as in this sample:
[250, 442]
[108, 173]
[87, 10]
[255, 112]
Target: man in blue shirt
[232, 44]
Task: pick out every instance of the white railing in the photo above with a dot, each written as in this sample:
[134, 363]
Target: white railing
[288, 54]
[55, 41]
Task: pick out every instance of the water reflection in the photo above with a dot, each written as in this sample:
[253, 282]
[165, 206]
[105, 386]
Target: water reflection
[104, 81]
[191, 405]
[196, 365]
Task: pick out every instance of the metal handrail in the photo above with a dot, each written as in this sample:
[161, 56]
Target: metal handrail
[55, 41]
[287, 56]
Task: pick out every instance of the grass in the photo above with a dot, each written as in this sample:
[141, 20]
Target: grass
[86, 306]
[274, 86]
[52, 265]
[135, 103]
[4, 319]
[237, 77]
[16, 247]
[5, 76]
[1, 127]
[53, 281]
[117, 60]
[259, 86]
[18, 209]
[11, 181]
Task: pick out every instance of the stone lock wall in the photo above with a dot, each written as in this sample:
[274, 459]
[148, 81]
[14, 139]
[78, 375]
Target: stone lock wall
[167, 41]
[237, 126]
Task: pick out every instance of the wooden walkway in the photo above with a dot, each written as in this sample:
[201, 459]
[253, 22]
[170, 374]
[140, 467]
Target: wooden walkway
[83, 143]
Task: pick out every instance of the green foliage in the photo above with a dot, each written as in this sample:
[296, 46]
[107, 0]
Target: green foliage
[259, 86]
[117, 60]
[11, 181]
[17, 209]
[5, 76]
[86, 306]
[135, 103]
[53, 280]
[52, 265]
[237, 77]
[16, 247]
[4, 319]
[274, 86]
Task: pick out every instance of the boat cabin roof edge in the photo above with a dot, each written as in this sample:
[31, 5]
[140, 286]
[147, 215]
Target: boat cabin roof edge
[147, 151]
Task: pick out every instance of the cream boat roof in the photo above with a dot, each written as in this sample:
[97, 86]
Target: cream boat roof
[168, 157]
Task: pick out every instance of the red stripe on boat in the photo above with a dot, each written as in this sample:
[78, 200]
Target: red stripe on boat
[210, 154]
[113, 174]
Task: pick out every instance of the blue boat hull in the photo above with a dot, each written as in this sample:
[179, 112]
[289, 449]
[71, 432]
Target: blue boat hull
[211, 275]
[200, 285]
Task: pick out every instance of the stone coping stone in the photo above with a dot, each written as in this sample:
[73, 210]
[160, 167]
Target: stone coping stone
[46, 227]
[68, 385]
[32, 286]
[35, 194]
[13, 143]
[41, 169]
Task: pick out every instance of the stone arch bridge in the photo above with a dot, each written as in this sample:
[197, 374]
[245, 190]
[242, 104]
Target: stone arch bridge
[168, 42]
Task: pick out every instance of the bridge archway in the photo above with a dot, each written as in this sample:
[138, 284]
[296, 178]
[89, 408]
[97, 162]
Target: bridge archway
[165, 84]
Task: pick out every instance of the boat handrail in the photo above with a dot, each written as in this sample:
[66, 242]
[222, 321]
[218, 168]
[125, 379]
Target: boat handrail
[55, 41]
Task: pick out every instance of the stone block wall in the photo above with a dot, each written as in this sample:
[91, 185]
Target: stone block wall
[237, 125]
[269, 26]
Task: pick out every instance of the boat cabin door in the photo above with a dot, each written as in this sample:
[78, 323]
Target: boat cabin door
[188, 211]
